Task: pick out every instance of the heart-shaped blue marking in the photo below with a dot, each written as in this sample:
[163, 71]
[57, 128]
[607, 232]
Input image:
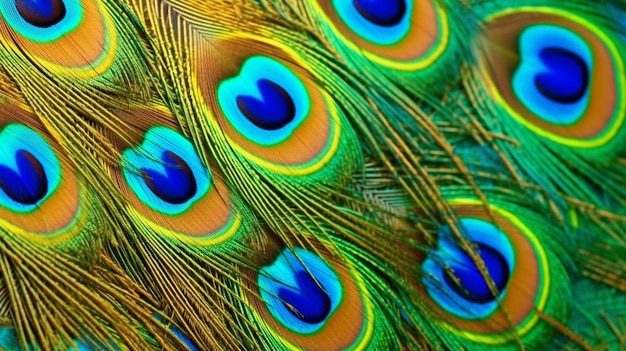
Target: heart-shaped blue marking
[468, 281]
[567, 78]
[308, 301]
[553, 77]
[29, 184]
[177, 185]
[301, 292]
[41, 13]
[471, 297]
[165, 171]
[266, 102]
[385, 13]
[273, 111]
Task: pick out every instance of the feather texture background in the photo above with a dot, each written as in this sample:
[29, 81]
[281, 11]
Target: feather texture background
[315, 175]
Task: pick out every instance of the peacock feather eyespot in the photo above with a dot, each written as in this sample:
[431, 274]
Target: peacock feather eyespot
[177, 186]
[29, 168]
[569, 79]
[300, 291]
[266, 102]
[565, 81]
[69, 37]
[462, 288]
[28, 185]
[170, 184]
[273, 111]
[552, 79]
[309, 300]
[469, 282]
[490, 286]
[403, 34]
[171, 177]
[41, 199]
[270, 107]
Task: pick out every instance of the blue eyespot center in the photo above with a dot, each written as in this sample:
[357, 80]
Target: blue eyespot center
[29, 184]
[273, 111]
[308, 301]
[385, 13]
[41, 13]
[568, 76]
[177, 185]
[467, 280]
[300, 290]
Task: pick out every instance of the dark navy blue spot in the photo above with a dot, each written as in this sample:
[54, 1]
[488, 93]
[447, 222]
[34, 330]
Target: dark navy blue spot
[41, 13]
[567, 78]
[385, 13]
[308, 301]
[274, 111]
[471, 284]
[29, 184]
[177, 185]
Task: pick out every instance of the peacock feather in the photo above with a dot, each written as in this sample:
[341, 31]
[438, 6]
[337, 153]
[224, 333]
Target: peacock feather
[312, 175]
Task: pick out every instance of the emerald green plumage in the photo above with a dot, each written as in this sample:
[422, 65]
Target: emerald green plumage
[315, 175]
